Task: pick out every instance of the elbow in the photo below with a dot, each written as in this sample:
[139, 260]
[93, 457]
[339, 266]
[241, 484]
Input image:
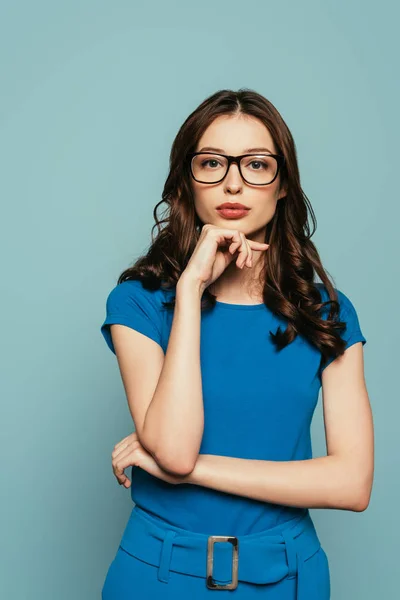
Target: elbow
[361, 501]
[354, 488]
[183, 470]
[171, 459]
[361, 498]
[363, 492]
[175, 466]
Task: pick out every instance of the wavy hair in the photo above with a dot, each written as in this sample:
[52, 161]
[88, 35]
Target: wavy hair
[292, 260]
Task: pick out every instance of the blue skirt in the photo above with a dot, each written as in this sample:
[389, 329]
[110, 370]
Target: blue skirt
[160, 561]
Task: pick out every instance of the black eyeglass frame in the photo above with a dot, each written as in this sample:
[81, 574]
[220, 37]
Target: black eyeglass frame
[280, 159]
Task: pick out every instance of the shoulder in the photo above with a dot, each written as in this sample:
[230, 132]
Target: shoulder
[132, 293]
[132, 290]
[346, 305]
[130, 303]
[347, 314]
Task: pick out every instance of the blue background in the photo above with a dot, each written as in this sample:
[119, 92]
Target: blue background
[93, 94]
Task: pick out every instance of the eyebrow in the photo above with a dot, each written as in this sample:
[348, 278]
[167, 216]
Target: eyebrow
[245, 151]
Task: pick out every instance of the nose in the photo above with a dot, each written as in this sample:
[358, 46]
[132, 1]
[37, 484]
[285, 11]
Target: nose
[233, 180]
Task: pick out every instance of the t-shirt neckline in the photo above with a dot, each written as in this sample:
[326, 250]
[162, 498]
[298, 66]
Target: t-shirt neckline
[240, 306]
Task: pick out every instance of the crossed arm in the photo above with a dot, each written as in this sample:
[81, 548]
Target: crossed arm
[169, 422]
[323, 482]
[342, 479]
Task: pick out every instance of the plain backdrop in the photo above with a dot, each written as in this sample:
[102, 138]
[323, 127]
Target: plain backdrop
[92, 96]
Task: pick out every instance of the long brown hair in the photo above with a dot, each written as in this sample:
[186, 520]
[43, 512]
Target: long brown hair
[292, 259]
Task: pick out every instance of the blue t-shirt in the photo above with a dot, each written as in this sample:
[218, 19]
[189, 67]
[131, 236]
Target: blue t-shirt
[258, 402]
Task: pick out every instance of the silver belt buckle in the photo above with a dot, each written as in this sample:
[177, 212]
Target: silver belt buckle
[235, 557]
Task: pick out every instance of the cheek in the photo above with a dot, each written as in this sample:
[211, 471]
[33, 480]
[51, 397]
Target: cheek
[264, 207]
[204, 203]
[260, 217]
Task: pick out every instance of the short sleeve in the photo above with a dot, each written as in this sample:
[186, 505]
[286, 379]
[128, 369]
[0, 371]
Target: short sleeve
[347, 313]
[130, 304]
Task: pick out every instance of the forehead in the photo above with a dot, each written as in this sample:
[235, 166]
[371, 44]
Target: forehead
[236, 134]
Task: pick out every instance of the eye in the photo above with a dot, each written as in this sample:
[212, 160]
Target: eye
[262, 164]
[210, 160]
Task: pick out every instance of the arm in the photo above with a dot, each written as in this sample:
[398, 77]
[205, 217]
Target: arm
[174, 421]
[164, 393]
[342, 479]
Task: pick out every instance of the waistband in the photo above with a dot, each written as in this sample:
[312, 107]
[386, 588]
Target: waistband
[264, 557]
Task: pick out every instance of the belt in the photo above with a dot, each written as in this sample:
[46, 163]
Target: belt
[264, 557]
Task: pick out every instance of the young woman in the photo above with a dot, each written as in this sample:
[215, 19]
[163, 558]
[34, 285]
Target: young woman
[224, 338]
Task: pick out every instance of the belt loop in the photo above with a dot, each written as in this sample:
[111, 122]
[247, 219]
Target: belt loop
[165, 558]
[291, 552]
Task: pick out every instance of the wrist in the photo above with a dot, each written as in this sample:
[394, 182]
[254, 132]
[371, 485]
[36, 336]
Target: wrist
[188, 286]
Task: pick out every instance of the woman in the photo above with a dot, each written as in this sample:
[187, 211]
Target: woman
[223, 339]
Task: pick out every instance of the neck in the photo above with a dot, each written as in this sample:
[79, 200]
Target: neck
[240, 284]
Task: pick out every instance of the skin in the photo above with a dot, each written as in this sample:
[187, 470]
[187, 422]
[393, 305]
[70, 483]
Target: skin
[343, 478]
[239, 133]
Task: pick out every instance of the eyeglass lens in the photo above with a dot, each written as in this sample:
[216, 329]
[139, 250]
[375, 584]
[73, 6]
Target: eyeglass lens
[257, 169]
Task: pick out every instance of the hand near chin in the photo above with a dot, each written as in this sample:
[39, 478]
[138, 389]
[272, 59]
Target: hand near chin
[216, 248]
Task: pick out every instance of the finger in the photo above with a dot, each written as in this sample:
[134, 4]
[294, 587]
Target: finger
[131, 436]
[125, 439]
[243, 252]
[126, 456]
[255, 245]
[128, 438]
[233, 247]
[226, 236]
[124, 481]
[222, 235]
[121, 478]
[118, 471]
[249, 260]
[121, 464]
[258, 245]
[131, 441]
[117, 451]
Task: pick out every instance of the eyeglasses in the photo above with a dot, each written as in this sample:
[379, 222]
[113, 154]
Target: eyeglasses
[255, 169]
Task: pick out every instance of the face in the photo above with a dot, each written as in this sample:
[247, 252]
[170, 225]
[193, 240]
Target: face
[236, 135]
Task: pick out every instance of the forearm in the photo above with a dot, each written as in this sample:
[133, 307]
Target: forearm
[323, 482]
[174, 421]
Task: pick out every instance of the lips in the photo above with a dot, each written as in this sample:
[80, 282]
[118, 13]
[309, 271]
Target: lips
[233, 213]
[233, 205]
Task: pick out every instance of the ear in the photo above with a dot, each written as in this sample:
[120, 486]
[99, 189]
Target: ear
[282, 192]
